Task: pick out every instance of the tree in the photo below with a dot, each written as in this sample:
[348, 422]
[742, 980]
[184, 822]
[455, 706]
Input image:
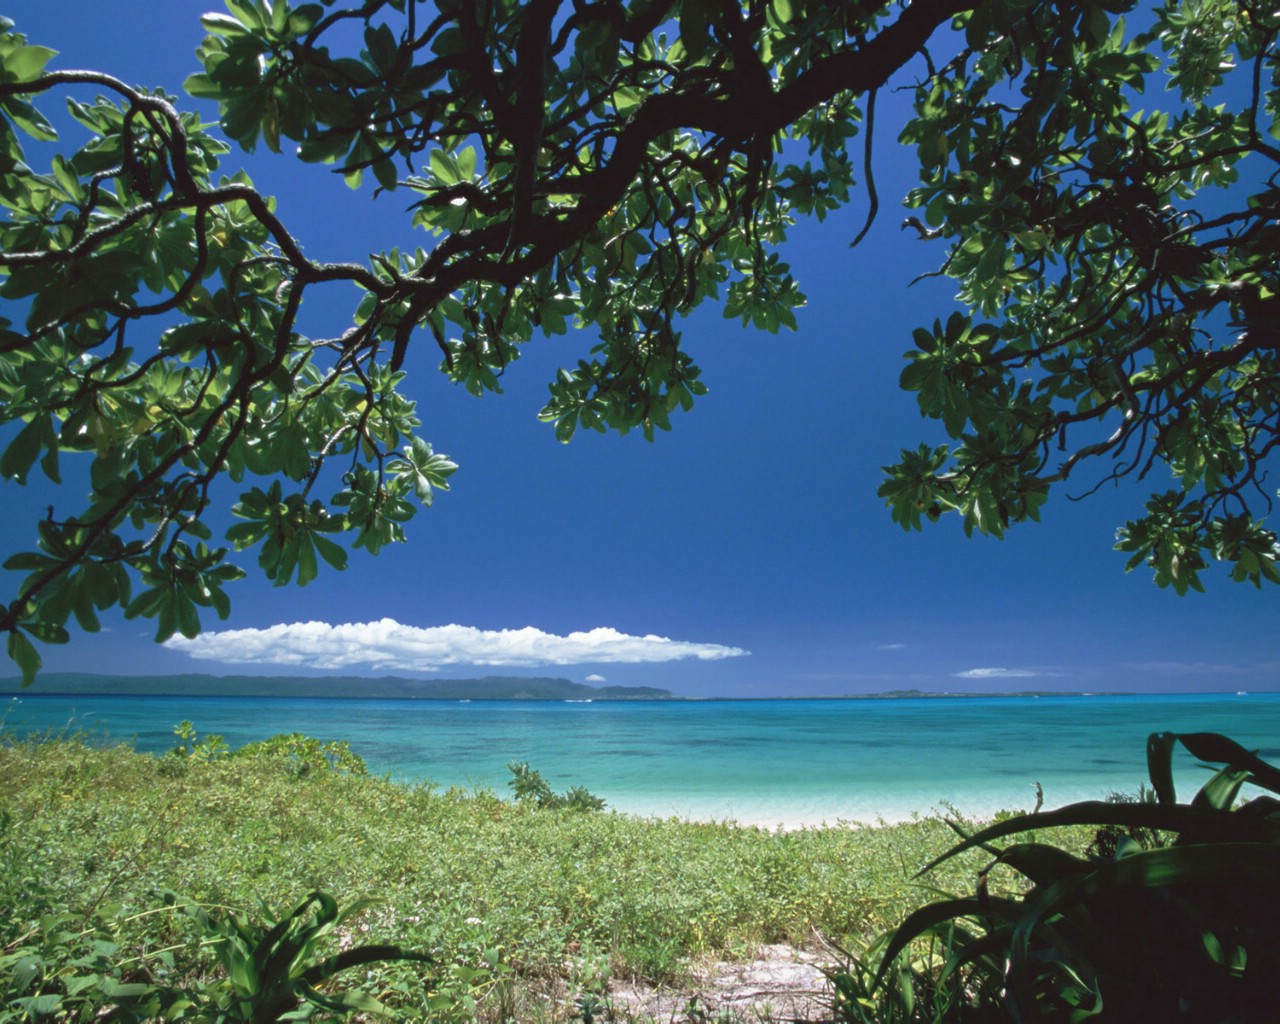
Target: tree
[1126, 313]
[617, 165]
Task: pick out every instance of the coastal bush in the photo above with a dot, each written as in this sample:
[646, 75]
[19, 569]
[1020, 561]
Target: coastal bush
[530, 787]
[294, 752]
[66, 969]
[189, 744]
[1171, 918]
[299, 754]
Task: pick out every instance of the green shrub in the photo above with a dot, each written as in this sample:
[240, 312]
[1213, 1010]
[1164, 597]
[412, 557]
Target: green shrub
[531, 788]
[274, 970]
[211, 748]
[300, 754]
[1172, 919]
[67, 968]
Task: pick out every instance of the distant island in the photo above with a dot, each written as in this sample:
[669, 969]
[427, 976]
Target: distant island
[397, 688]
[932, 694]
[334, 687]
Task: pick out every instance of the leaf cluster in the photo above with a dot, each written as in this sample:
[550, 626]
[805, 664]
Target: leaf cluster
[1117, 267]
[530, 787]
[614, 167]
[1168, 920]
[608, 165]
[276, 965]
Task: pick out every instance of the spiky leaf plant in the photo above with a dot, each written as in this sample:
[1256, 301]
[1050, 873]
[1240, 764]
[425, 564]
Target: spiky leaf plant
[1185, 931]
[276, 970]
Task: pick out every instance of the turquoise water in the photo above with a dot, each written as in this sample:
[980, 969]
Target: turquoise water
[771, 762]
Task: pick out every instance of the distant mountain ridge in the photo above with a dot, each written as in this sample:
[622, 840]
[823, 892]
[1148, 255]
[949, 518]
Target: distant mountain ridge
[336, 687]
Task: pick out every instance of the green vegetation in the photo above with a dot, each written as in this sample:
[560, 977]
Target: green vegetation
[272, 969]
[1104, 189]
[1106, 193]
[521, 909]
[530, 787]
[1169, 918]
[152, 885]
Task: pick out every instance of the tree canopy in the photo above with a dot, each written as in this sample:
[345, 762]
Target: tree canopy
[1099, 179]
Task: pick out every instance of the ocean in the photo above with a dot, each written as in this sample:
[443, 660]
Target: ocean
[791, 763]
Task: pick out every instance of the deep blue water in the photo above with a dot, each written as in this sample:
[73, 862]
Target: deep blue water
[769, 762]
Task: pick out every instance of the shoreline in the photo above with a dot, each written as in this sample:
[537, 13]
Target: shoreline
[768, 815]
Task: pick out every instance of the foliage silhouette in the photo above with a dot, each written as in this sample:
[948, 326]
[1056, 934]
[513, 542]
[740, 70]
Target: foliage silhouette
[1179, 930]
[617, 165]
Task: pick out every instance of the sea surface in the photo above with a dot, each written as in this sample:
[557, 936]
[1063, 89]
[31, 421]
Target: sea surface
[791, 763]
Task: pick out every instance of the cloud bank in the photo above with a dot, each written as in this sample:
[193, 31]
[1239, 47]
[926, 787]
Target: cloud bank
[387, 645]
[999, 673]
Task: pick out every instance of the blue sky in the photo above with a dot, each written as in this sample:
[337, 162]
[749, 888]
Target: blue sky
[743, 554]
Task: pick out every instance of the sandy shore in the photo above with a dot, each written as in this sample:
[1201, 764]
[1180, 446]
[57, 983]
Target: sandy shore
[794, 819]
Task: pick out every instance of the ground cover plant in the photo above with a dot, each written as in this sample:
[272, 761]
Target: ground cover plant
[523, 910]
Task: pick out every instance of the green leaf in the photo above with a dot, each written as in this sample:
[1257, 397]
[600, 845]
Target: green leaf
[248, 12]
[47, 632]
[202, 87]
[1042, 863]
[167, 615]
[221, 24]
[443, 166]
[40, 1007]
[28, 561]
[26, 62]
[23, 450]
[384, 171]
[940, 913]
[24, 654]
[187, 616]
[426, 469]
[1160, 765]
[307, 566]
[382, 47]
[1167, 817]
[279, 16]
[466, 161]
[332, 553]
[1220, 792]
[695, 28]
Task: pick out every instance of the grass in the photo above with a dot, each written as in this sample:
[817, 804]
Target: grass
[512, 900]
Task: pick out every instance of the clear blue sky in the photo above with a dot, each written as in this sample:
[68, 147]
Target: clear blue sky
[753, 527]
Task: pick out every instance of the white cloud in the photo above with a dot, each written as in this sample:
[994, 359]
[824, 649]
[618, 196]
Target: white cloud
[998, 673]
[387, 645]
[595, 677]
[891, 647]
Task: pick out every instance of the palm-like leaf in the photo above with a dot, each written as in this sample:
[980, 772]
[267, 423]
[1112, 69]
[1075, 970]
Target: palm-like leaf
[1184, 931]
[275, 970]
